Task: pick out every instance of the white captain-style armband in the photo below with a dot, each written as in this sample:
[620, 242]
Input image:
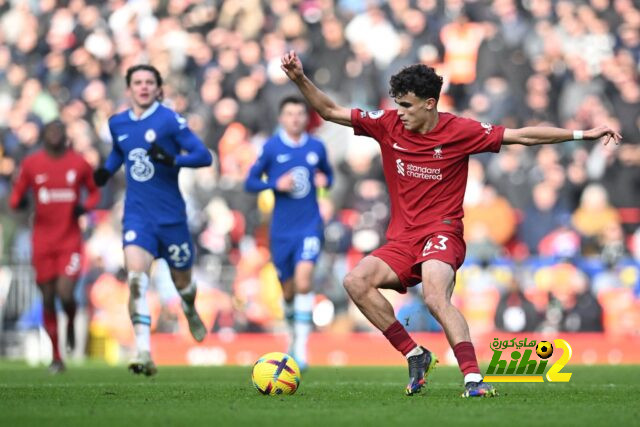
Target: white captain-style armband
[578, 135]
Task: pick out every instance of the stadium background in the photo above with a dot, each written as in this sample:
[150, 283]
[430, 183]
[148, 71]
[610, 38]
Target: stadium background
[553, 233]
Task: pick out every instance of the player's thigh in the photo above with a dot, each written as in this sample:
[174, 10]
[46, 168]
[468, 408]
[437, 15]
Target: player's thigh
[176, 247]
[306, 255]
[137, 258]
[283, 252]
[438, 280]
[140, 245]
[439, 258]
[303, 276]
[374, 272]
[44, 265]
[68, 264]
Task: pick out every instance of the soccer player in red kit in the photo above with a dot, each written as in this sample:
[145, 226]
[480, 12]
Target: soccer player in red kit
[425, 157]
[56, 175]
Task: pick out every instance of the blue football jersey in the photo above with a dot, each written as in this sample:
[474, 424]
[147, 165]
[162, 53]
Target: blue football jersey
[295, 213]
[152, 188]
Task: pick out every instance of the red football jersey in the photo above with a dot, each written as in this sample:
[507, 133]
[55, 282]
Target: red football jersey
[426, 173]
[56, 183]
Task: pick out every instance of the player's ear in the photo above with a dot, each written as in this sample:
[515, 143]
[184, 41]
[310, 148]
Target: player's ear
[430, 104]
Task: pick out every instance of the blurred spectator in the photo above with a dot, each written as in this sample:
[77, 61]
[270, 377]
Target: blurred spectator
[594, 212]
[515, 313]
[543, 215]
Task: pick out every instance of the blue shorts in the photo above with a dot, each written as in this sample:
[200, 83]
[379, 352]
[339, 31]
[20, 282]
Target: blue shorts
[287, 252]
[169, 241]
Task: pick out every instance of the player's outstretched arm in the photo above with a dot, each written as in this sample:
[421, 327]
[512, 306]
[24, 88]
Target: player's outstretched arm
[328, 110]
[537, 135]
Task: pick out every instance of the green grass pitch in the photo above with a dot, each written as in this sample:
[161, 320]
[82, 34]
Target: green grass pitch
[94, 395]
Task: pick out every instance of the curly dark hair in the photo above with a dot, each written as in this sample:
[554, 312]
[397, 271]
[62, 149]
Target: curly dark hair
[418, 79]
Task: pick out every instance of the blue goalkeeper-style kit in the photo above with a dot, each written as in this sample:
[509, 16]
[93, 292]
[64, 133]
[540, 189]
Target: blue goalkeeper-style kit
[296, 226]
[154, 210]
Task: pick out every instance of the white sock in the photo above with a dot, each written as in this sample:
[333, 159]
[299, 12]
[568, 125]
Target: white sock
[473, 377]
[415, 352]
[143, 337]
[287, 308]
[139, 309]
[302, 324]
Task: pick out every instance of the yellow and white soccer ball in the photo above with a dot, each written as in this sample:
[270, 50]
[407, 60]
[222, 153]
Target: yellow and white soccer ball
[544, 349]
[276, 373]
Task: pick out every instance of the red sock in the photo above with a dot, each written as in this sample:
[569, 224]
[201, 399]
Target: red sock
[51, 326]
[466, 356]
[399, 338]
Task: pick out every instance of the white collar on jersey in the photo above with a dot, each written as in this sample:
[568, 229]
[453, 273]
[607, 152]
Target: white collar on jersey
[149, 111]
[286, 139]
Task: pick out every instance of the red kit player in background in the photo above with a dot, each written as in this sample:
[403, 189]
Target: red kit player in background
[56, 174]
[425, 156]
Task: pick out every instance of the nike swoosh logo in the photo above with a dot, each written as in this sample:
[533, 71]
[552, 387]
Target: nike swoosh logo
[40, 179]
[281, 158]
[123, 137]
[397, 147]
[428, 253]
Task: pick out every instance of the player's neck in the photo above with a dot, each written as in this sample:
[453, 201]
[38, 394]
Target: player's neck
[431, 122]
[55, 152]
[140, 110]
[297, 138]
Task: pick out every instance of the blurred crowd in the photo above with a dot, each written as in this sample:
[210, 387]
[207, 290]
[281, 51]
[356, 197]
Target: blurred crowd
[552, 233]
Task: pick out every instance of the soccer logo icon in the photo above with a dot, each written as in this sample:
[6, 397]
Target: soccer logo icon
[544, 349]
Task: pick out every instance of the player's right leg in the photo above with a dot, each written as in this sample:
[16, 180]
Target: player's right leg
[51, 324]
[282, 255]
[45, 267]
[138, 262]
[363, 285]
[302, 311]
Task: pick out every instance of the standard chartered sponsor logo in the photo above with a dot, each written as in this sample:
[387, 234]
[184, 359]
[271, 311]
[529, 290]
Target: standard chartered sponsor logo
[420, 172]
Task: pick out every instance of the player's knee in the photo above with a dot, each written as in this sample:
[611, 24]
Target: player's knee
[355, 284]
[437, 302]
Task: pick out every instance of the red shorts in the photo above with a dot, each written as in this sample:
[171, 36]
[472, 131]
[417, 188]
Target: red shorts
[50, 265]
[405, 257]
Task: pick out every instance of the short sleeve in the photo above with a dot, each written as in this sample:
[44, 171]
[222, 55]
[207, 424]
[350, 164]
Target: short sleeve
[370, 123]
[480, 137]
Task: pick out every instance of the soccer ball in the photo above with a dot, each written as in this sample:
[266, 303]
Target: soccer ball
[544, 349]
[276, 373]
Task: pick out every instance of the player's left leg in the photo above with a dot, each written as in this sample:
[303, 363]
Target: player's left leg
[177, 249]
[438, 278]
[48, 290]
[187, 290]
[65, 286]
[68, 268]
[302, 310]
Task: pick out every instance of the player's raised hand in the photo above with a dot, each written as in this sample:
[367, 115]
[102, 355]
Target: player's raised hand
[285, 183]
[291, 65]
[603, 132]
